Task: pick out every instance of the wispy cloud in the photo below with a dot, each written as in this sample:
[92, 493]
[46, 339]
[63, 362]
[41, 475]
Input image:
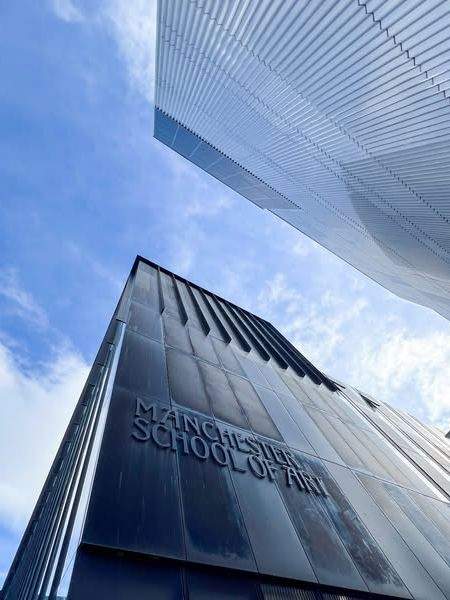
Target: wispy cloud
[133, 25]
[19, 301]
[67, 11]
[356, 340]
[35, 411]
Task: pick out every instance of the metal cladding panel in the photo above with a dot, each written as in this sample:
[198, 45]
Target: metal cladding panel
[100, 576]
[135, 501]
[335, 116]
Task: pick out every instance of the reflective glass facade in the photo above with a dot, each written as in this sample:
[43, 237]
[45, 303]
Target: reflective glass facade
[333, 115]
[208, 458]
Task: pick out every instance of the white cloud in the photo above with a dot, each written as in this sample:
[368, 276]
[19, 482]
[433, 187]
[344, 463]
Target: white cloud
[36, 408]
[411, 370]
[20, 302]
[67, 11]
[353, 337]
[133, 25]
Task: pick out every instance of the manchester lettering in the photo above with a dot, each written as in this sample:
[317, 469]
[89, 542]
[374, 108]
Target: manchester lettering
[176, 431]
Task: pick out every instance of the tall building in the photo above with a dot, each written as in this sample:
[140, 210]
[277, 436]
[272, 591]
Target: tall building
[333, 115]
[207, 458]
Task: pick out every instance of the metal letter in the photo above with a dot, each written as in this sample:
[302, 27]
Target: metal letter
[216, 450]
[181, 435]
[171, 414]
[194, 445]
[192, 422]
[257, 466]
[158, 442]
[234, 462]
[142, 405]
[292, 474]
[142, 425]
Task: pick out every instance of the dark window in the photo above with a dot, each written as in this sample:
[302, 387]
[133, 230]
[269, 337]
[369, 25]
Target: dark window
[106, 575]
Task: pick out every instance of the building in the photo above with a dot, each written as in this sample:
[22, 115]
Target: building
[208, 458]
[335, 116]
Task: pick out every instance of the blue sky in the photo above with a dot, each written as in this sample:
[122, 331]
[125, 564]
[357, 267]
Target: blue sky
[85, 187]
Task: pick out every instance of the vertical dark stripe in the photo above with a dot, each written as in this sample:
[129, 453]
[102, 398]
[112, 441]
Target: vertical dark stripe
[253, 324]
[214, 315]
[237, 334]
[259, 348]
[205, 325]
[290, 359]
[183, 313]
[162, 306]
[311, 370]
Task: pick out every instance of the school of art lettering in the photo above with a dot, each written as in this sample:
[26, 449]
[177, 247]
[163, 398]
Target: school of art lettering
[173, 430]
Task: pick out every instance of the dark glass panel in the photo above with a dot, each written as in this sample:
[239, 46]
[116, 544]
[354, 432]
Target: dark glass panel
[101, 576]
[142, 366]
[252, 371]
[436, 510]
[145, 321]
[341, 443]
[391, 466]
[165, 127]
[185, 142]
[315, 437]
[274, 379]
[359, 448]
[426, 527]
[326, 552]
[176, 334]
[283, 421]
[227, 357]
[145, 288]
[257, 415]
[205, 155]
[293, 383]
[275, 543]
[223, 401]
[202, 345]
[214, 528]
[391, 543]
[377, 572]
[317, 399]
[135, 501]
[186, 385]
[206, 585]
[432, 562]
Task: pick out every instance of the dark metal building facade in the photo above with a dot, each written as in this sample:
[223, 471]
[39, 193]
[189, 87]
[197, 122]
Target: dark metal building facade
[208, 458]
